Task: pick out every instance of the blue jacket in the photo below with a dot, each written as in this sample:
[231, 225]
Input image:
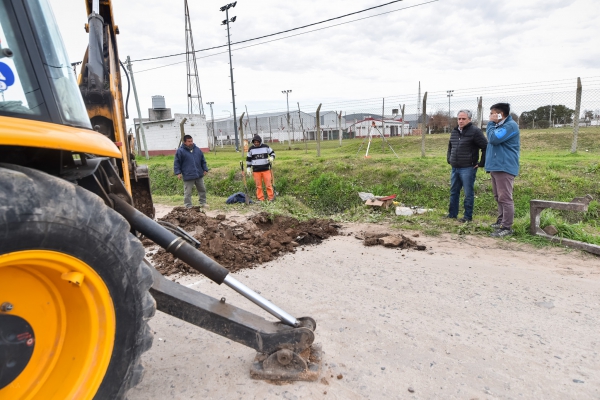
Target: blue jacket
[191, 164]
[504, 147]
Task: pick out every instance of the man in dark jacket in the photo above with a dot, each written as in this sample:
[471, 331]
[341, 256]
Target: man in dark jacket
[258, 161]
[463, 155]
[190, 165]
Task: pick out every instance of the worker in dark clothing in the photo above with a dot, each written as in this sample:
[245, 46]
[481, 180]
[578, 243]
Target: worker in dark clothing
[463, 155]
[258, 162]
[190, 165]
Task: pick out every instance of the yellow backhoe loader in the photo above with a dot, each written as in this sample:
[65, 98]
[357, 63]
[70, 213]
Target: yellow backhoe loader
[76, 292]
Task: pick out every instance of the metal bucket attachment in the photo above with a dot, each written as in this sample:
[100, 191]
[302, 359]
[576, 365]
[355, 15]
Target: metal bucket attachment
[286, 365]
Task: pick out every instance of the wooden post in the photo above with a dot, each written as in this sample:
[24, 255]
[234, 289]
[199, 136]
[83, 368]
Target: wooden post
[182, 130]
[340, 127]
[382, 123]
[424, 125]
[249, 123]
[480, 112]
[576, 120]
[402, 126]
[137, 140]
[302, 127]
[242, 134]
[270, 132]
[319, 131]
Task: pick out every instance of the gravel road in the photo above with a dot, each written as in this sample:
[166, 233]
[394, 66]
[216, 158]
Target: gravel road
[468, 318]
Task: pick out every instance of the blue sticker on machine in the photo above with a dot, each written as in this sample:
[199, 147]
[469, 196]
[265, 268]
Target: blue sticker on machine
[7, 77]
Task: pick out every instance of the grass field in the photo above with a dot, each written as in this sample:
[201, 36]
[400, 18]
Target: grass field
[328, 185]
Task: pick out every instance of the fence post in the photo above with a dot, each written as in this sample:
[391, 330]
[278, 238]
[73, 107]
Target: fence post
[340, 127]
[423, 125]
[137, 103]
[302, 127]
[270, 132]
[383, 123]
[242, 133]
[402, 125]
[480, 112]
[319, 131]
[576, 120]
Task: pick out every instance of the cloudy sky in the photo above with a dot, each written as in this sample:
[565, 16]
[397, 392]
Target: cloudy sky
[445, 44]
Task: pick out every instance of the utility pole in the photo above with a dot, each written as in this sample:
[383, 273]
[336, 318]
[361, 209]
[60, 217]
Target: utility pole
[449, 112]
[137, 103]
[287, 99]
[212, 123]
[226, 22]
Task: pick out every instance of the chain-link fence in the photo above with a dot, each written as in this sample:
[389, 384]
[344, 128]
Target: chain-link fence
[538, 105]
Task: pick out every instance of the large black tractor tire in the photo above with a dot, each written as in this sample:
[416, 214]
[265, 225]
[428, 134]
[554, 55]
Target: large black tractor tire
[42, 214]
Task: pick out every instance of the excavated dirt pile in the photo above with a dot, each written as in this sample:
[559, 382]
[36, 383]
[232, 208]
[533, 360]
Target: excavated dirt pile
[242, 242]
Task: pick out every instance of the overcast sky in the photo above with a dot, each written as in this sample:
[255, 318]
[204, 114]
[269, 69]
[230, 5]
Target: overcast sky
[448, 44]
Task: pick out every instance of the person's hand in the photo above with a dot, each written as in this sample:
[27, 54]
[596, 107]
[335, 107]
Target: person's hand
[205, 172]
[248, 170]
[271, 159]
[179, 176]
[476, 166]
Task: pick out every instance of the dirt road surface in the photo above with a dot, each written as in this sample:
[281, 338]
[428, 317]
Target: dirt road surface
[469, 318]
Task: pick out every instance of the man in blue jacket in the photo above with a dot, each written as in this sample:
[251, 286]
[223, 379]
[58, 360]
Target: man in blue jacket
[502, 162]
[190, 165]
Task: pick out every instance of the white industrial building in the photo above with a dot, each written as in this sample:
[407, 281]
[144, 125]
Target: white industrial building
[164, 131]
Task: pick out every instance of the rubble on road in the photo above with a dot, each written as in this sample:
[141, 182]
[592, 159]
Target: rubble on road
[241, 242]
[390, 240]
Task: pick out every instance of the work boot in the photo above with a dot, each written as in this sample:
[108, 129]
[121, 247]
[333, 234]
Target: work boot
[502, 232]
[448, 217]
[464, 220]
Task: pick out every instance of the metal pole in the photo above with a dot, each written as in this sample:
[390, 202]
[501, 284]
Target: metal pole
[260, 301]
[235, 128]
[137, 103]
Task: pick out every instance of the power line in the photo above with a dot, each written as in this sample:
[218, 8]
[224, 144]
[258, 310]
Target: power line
[277, 33]
[289, 36]
[375, 102]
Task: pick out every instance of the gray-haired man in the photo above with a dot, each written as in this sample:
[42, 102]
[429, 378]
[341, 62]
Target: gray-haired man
[463, 155]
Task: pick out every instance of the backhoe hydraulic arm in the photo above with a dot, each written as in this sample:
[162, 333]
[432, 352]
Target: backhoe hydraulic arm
[285, 349]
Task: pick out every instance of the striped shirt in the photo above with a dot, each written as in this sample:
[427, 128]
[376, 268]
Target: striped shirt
[258, 157]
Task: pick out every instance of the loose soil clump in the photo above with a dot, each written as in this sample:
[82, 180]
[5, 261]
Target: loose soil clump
[243, 243]
[388, 240]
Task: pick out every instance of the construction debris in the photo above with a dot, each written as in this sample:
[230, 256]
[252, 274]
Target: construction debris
[389, 240]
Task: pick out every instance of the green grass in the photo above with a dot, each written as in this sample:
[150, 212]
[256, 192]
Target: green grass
[328, 185]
